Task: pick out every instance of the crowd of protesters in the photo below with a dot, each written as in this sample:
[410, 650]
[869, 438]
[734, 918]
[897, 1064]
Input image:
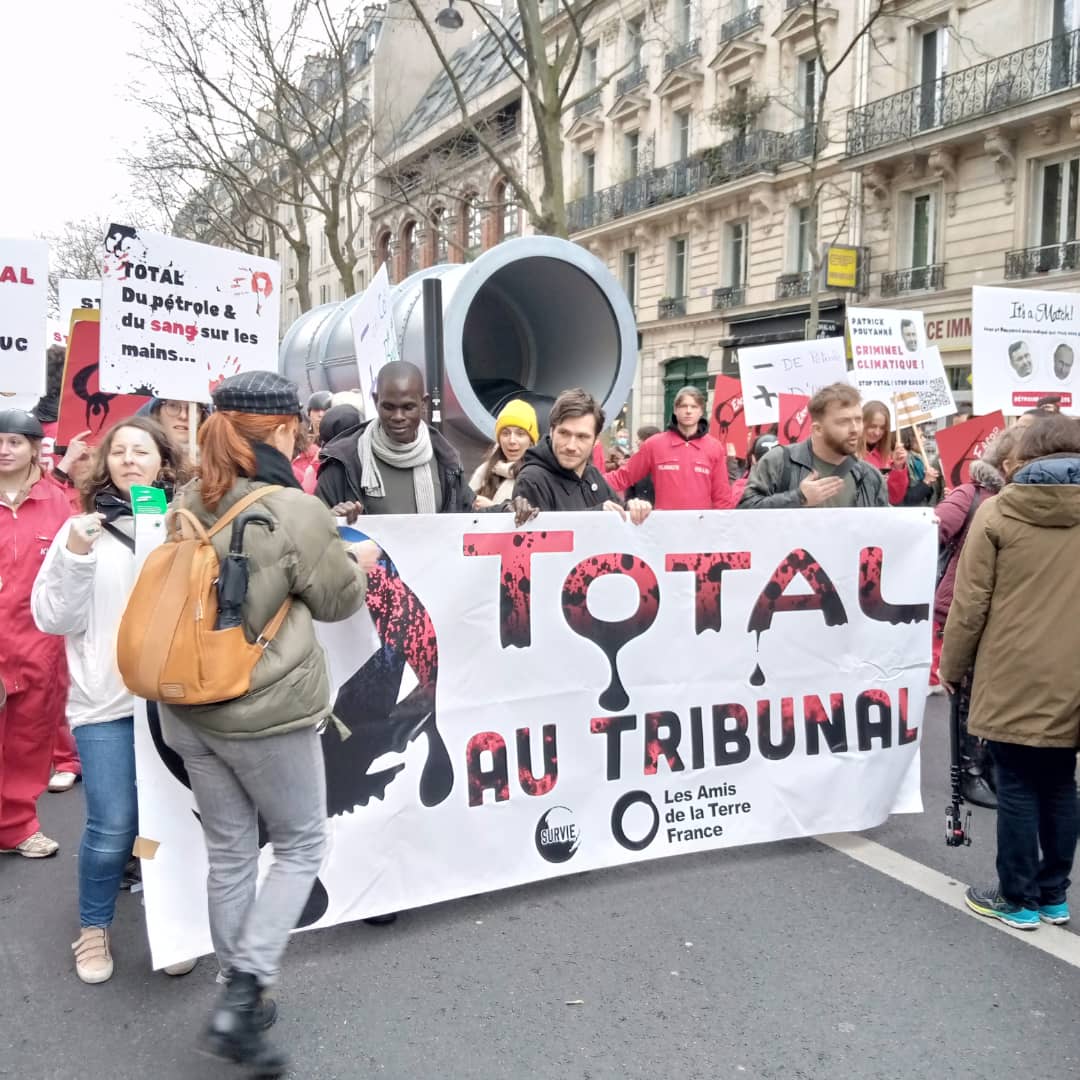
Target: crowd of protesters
[67, 565]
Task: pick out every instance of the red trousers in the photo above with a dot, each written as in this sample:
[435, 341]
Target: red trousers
[28, 726]
[65, 753]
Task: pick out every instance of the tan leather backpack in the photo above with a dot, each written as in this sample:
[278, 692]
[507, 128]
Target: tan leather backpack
[167, 648]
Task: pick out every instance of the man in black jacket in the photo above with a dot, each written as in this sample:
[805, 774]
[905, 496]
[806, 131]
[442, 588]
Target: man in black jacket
[394, 464]
[558, 473]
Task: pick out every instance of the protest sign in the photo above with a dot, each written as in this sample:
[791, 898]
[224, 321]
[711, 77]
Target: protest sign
[24, 298]
[535, 703]
[795, 421]
[374, 339]
[790, 367]
[178, 317]
[890, 356]
[727, 419]
[77, 294]
[960, 445]
[1023, 348]
[84, 406]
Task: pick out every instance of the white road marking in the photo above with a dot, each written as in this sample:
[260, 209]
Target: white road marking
[1054, 940]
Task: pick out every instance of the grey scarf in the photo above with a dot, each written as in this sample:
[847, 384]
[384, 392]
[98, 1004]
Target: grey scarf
[374, 447]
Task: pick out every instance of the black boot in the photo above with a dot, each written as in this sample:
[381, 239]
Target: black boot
[234, 1033]
[977, 790]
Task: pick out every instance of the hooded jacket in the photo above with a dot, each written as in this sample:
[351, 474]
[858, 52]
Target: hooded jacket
[954, 522]
[303, 557]
[687, 473]
[548, 486]
[340, 474]
[766, 488]
[28, 657]
[1013, 615]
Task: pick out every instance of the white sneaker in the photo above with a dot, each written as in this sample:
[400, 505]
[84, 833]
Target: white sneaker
[37, 846]
[62, 781]
[183, 968]
[93, 957]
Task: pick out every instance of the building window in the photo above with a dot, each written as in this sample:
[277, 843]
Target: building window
[681, 135]
[324, 294]
[474, 235]
[1057, 191]
[800, 240]
[359, 279]
[931, 62]
[807, 89]
[271, 241]
[635, 44]
[684, 22]
[631, 152]
[324, 248]
[736, 245]
[678, 256]
[743, 122]
[921, 229]
[411, 240]
[442, 235]
[588, 173]
[629, 275]
[590, 66]
[511, 215]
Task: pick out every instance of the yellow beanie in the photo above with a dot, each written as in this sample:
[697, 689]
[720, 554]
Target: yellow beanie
[518, 413]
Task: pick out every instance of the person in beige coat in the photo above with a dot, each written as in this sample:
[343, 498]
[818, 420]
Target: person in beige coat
[1014, 621]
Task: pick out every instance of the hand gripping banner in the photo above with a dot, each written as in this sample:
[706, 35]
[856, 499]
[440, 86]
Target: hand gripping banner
[522, 704]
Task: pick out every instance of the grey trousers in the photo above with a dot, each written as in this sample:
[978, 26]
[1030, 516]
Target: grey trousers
[282, 778]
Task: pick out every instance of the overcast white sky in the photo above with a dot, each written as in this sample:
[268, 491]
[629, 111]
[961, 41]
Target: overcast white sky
[66, 115]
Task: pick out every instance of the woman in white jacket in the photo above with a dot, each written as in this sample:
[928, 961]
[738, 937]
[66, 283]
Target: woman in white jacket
[80, 592]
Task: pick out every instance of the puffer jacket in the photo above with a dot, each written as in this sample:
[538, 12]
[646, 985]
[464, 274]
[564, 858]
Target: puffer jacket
[1013, 615]
[548, 486]
[303, 557]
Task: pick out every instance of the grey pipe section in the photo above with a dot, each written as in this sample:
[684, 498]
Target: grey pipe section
[528, 318]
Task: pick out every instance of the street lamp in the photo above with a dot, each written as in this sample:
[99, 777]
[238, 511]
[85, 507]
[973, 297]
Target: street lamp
[448, 18]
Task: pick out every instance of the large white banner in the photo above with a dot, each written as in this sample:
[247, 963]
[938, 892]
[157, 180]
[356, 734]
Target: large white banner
[1023, 348]
[583, 693]
[24, 299]
[790, 367]
[890, 355]
[178, 317]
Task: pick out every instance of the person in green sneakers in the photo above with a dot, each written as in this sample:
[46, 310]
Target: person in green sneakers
[1013, 619]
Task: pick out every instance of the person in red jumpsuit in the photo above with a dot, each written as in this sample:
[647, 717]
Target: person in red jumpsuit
[33, 668]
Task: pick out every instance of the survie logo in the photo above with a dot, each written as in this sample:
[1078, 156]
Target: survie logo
[557, 836]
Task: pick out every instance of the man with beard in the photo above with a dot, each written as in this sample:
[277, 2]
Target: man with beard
[824, 470]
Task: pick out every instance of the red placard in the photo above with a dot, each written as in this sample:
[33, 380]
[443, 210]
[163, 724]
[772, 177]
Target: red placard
[794, 424]
[727, 421]
[964, 443]
[83, 405]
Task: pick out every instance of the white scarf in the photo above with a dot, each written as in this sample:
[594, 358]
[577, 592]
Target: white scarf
[374, 447]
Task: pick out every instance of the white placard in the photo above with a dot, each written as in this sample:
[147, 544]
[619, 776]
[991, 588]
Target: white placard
[24, 306]
[890, 355]
[505, 733]
[790, 367]
[178, 317]
[1024, 346]
[76, 294]
[374, 338]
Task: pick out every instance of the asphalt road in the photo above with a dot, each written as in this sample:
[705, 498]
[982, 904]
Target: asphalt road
[783, 961]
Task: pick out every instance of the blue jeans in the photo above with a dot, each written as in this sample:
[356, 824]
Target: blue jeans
[107, 752]
[1036, 821]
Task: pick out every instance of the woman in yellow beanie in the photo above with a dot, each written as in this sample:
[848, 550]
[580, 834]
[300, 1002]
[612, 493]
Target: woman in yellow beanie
[516, 430]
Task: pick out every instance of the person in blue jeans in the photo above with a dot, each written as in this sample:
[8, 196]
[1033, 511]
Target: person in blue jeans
[1013, 619]
[80, 592]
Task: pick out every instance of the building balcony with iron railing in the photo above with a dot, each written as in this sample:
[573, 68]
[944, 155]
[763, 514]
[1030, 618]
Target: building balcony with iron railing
[671, 307]
[929, 278]
[631, 81]
[1026, 76]
[728, 296]
[589, 104]
[793, 286]
[740, 24]
[1029, 262]
[757, 151]
[682, 54]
